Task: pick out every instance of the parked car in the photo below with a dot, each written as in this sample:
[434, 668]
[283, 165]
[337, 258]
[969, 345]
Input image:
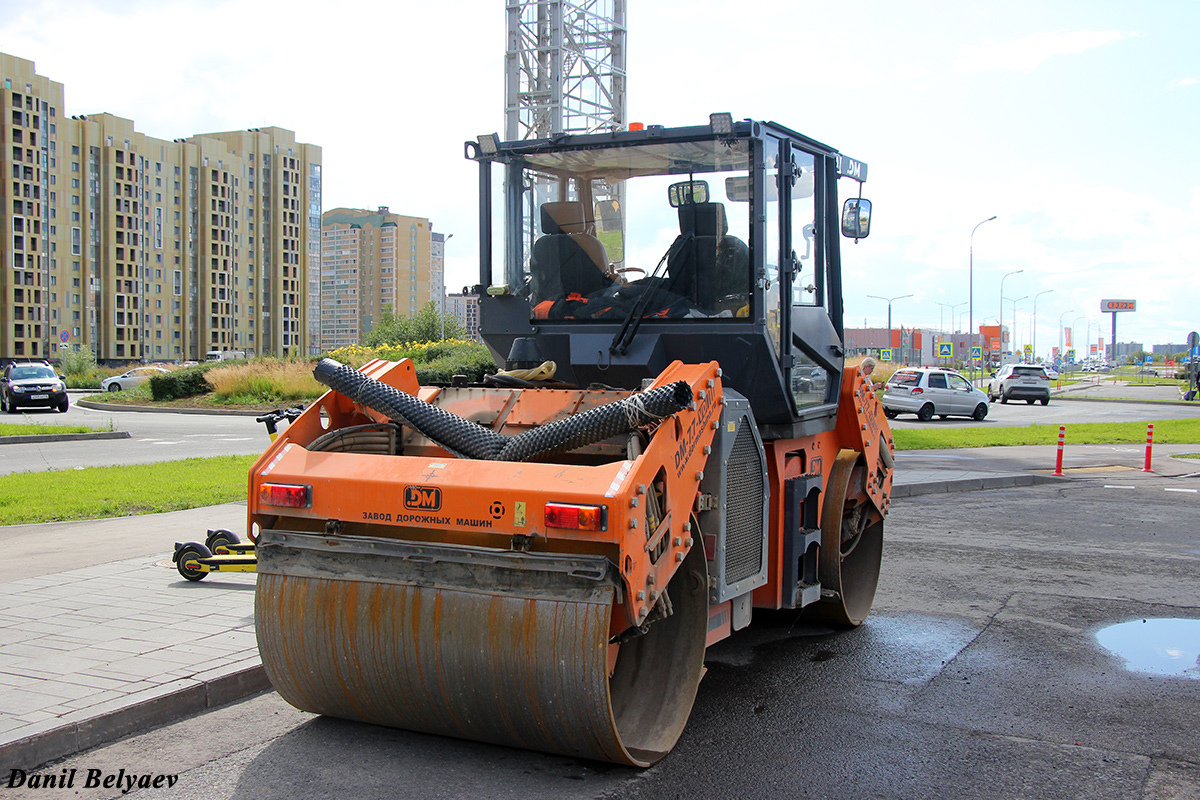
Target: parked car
[32, 383]
[133, 378]
[1051, 373]
[926, 392]
[1028, 382]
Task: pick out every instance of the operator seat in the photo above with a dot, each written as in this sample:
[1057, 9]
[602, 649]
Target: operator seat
[568, 258]
[715, 265]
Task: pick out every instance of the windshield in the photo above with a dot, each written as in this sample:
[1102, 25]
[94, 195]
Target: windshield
[32, 371]
[663, 227]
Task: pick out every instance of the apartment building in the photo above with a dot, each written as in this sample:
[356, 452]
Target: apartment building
[372, 261]
[143, 249]
[465, 307]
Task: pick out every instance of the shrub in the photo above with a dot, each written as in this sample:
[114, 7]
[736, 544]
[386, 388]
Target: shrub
[78, 362]
[186, 382]
[435, 362]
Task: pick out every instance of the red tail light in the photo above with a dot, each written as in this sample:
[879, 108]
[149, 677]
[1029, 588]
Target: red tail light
[580, 518]
[285, 495]
[918, 390]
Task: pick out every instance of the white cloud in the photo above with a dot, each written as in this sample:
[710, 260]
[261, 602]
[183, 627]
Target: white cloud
[1177, 82]
[1028, 53]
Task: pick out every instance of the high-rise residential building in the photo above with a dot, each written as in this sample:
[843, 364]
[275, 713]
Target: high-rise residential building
[143, 249]
[465, 307]
[437, 270]
[371, 261]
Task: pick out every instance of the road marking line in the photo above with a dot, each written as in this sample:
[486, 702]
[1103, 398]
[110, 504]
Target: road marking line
[1192, 491]
[1109, 486]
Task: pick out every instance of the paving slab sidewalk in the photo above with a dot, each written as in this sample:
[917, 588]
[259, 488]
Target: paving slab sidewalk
[90, 653]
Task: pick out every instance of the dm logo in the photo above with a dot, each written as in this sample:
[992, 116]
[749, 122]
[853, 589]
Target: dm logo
[422, 498]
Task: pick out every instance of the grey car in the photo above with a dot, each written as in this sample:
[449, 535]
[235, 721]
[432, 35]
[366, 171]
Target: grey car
[926, 392]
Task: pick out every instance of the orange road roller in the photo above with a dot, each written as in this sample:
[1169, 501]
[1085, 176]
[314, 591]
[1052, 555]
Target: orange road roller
[674, 441]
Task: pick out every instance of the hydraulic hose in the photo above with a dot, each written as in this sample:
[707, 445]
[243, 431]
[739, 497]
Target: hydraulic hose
[469, 439]
[602, 422]
[451, 431]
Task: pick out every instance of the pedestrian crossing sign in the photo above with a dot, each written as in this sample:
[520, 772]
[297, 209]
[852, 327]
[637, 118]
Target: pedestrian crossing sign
[885, 354]
[945, 349]
[977, 351]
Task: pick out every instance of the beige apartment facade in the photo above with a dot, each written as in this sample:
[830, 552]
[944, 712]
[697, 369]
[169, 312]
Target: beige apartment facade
[372, 261]
[142, 249]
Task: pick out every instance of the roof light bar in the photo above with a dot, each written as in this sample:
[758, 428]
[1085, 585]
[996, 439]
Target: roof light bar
[489, 143]
[721, 123]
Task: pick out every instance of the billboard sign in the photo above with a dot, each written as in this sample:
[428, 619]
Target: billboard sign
[1111, 306]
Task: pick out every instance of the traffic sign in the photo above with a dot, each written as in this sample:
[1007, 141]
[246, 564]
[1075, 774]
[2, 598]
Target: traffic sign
[977, 351]
[1071, 354]
[945, 349]
[65, 336]
[885, 354]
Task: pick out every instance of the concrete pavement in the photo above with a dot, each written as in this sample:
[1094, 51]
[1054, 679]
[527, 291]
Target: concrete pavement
[100, 637]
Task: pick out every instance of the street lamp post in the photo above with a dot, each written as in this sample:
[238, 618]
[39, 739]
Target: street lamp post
[1033, 324]
[1075, 336]
[941, 317]
[1000, 321]
[1014, 301]
[971, 296]
[889, 302]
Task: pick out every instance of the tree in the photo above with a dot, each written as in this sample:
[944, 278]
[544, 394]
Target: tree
[427, 326]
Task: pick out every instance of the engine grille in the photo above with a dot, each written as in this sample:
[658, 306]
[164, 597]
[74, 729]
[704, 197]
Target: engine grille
[743, 507]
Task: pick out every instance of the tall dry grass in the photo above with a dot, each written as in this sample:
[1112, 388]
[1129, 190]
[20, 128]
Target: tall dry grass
[266, 380]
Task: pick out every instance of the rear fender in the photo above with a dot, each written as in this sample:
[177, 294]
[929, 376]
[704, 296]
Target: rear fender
[671, 467]
[863, 427]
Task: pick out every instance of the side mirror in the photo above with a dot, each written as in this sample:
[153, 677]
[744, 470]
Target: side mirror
[856, 218]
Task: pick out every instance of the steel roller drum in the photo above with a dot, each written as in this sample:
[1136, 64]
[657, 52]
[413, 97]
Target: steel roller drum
[491, 646]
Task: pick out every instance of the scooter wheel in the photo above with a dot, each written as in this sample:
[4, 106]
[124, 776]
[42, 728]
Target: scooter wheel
[187, 558]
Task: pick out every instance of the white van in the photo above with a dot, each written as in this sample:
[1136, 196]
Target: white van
[224, 355]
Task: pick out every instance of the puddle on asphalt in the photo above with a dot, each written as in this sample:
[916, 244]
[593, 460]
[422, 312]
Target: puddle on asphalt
[1158, 646]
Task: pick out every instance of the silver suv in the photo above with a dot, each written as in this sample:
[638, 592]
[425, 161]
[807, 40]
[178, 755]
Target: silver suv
[1027, 382]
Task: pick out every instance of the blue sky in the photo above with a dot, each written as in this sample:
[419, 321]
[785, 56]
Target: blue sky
[1074, 122]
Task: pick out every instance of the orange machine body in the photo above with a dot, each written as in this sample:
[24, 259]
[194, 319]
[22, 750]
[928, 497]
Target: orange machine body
[646, 501]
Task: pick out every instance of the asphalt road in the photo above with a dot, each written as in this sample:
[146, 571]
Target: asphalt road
[154, 437]
[1059, 412]
[979, 675]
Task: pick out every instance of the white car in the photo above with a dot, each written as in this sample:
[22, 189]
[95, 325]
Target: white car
[128, 380]
[926, 392]
[1028, 382]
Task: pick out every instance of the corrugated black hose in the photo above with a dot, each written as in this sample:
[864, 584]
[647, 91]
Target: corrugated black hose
[466, 438]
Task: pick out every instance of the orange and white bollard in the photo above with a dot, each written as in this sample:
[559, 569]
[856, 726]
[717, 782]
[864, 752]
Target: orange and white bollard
[1062, 438]
[1149, 443]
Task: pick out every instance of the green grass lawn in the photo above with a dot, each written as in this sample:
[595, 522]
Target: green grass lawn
[95, 492]
[1170, 431]
[37, 429]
